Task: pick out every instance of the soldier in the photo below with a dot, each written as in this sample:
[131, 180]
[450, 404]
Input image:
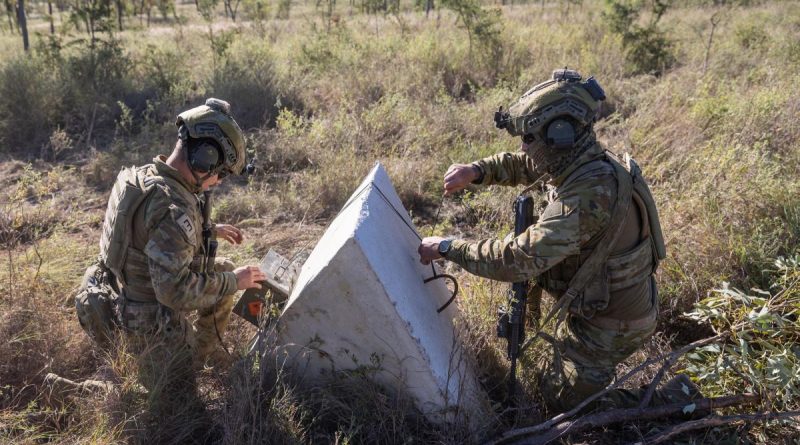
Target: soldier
[152, 251]
[596, 203]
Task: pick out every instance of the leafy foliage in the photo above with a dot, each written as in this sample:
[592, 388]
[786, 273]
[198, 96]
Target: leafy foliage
[763, 352]
[483, 26]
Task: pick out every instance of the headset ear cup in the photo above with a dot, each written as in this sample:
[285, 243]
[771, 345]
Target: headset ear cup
[560, 134]
[203, 156]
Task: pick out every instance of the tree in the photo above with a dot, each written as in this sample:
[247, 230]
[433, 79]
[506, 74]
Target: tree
[483, 27]
[23, 24]
[10, 10]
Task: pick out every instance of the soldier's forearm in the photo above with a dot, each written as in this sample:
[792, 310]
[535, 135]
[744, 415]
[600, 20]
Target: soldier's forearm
[505, 169]
[489, 259]
[195, 291]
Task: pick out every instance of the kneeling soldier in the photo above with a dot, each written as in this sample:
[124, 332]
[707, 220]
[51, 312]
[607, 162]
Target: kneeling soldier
[157, 250]
[598, 206]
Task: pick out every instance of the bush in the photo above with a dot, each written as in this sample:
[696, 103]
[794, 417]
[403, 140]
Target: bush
[245, 77]
[647, 49]
[26, 100]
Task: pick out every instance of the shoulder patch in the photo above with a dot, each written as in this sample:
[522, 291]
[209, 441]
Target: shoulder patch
[554, 210]
[185, 223]
[558, 209]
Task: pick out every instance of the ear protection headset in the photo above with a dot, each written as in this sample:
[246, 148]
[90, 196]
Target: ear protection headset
[558, 123]
[560, 134]
[204, 154]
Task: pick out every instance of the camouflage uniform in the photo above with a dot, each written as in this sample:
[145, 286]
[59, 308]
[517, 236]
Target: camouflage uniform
[596, 337]
[161, 280]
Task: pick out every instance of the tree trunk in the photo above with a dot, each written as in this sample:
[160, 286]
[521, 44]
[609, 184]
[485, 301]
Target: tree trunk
[235, 10]
[52, 20]
[23, 24]
[119, 14]
[9, 9]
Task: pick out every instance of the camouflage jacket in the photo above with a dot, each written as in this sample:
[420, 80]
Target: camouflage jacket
[575, 219]
[167, 232]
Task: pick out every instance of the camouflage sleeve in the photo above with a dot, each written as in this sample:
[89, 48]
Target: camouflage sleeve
[567, 224]
[507, 169]
[170, 253]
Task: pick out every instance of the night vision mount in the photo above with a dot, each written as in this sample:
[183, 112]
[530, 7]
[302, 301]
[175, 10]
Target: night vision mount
[501, 118]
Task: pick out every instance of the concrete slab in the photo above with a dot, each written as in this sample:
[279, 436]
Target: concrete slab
[360, 300]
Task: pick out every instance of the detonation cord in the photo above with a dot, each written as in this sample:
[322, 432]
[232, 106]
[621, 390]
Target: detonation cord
[216, 329]
[436, 276]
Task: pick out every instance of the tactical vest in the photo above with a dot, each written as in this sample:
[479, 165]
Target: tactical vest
[628, 271]
[137, 308]
[132, 187]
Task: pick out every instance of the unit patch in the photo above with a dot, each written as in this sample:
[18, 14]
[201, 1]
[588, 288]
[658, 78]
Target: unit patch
[558, 209]
[186, 225]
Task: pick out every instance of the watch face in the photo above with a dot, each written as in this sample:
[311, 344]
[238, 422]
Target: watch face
[444, 246]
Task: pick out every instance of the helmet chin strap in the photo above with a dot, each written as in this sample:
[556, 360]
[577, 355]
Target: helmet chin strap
[199, 180]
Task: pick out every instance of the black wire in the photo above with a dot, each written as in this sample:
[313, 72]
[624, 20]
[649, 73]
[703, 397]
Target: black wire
[435, 276]
[396, 211]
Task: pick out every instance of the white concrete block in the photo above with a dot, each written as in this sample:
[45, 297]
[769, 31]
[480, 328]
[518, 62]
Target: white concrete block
[360, 300]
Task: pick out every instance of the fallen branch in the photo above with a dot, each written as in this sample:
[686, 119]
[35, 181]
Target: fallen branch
[712, 421]
[670, 356]
[651, 389]
[620, 415]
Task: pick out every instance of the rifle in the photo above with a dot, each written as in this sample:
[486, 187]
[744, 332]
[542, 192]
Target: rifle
[511, 322]
[210, 247]
[209, 236]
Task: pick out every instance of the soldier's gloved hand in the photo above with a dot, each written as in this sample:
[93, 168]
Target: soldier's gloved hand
[429, 249]
[229, 233]
[459, 176]
[247, 277]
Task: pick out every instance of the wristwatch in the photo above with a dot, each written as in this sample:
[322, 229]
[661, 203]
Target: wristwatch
[444, 246]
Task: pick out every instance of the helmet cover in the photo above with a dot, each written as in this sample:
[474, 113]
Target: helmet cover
[565, 96]
[213, 120]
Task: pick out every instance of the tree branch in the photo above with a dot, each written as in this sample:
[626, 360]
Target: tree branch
[715, 421]
[564, 416]
[620, 415]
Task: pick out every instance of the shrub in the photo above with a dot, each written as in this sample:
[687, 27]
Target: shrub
[647, 48]
[245, 78]
[25, 105]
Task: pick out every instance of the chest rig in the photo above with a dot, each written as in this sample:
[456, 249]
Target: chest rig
[604, 268]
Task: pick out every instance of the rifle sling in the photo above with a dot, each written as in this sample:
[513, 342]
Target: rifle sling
[600, 254]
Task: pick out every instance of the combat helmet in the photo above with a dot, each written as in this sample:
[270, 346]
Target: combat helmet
[555, 112]
[213, 121]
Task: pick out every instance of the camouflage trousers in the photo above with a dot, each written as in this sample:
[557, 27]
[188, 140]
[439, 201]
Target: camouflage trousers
[584, 362]
[200, 335]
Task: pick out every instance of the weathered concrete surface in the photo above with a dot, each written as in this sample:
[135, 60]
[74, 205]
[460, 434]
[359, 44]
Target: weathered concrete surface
[360, 300]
